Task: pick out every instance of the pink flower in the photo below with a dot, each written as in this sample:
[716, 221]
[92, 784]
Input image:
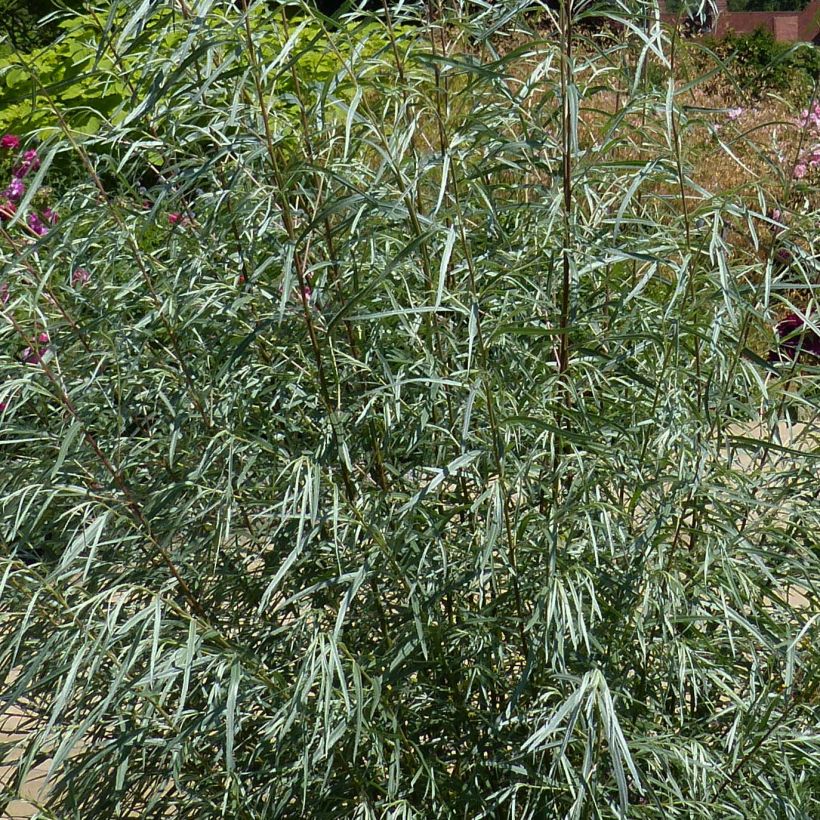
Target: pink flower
[297, 294]
[735, 113]
[3, 406]
[80, 276]
[51, 216]
[10, 142]
[799, 170]
[176, 218]
[34, 355]
[15, 190]
[809, 117]
[7, 209]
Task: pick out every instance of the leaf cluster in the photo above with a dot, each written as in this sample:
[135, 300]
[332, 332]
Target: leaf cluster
[404, 452]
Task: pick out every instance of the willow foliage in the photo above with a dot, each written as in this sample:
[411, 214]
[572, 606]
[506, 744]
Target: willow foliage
[394, 438]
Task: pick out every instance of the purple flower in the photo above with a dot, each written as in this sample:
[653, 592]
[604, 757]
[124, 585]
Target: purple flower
[4, 292]
[795, 336]
[10, 142]
[784, 256]
[51, 216]
[799, 170]
[80, 276]
[15, 190]
[735, 113]
[36, 224]
[31, 162]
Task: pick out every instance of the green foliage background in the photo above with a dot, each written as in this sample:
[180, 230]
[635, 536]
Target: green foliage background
[28, 24]
[65, 76]
[767, 5]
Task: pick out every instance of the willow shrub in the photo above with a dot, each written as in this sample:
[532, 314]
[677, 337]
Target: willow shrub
[384, 435]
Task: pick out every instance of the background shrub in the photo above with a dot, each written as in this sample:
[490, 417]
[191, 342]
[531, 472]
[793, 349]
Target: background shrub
[761, 65]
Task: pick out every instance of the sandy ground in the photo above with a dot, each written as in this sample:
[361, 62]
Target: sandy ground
[14, 726]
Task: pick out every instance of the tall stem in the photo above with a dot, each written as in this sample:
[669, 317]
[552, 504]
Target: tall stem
[567, 72]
